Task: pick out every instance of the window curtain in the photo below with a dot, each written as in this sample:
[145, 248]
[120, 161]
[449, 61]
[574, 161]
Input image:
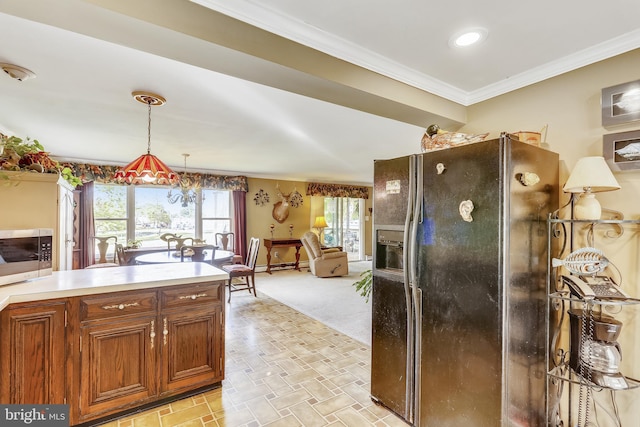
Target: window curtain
[90, 173]
[86, 225]
[240, 221]
[104, 174]
[337, 190]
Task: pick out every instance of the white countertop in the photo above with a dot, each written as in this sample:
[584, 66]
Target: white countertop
[70, 283]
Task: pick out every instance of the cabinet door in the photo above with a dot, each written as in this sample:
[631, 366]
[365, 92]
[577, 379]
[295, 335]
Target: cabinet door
[33, 361]
[191, 349]
[118, 365]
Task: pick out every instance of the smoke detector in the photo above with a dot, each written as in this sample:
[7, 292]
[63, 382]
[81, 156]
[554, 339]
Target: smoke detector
[17, 72]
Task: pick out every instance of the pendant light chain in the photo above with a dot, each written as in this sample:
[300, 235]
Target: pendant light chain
[149, 127]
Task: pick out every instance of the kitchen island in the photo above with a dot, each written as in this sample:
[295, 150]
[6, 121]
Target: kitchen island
[108, 341]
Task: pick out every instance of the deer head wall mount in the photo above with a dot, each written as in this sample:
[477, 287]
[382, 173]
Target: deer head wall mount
[281, 208]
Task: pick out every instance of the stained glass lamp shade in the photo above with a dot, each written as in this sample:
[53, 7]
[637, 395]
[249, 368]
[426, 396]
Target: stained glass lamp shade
[147, 169]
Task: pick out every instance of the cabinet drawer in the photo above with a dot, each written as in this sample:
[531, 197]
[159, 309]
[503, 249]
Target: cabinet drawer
[117, 304]
[190, 295]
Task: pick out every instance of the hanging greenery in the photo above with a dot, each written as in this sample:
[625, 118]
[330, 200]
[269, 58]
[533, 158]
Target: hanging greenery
[26, 154]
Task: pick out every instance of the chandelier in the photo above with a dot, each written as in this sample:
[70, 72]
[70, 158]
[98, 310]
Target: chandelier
[186, 188]
[147, 169]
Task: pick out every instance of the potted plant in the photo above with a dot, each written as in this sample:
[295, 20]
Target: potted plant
[133, 244]
[363, 286]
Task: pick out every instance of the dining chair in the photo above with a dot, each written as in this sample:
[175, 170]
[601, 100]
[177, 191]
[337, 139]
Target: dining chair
[198, 253]
[175, 239]
[121, 257]
[226, 241]
[103, 250]
[245, 273]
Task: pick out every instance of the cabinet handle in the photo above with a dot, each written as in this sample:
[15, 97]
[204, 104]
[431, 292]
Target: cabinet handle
[165, 332]
[193, 297]
[152, 335]
[120, 306]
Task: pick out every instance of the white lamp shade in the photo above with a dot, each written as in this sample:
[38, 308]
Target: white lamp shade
[591, 173]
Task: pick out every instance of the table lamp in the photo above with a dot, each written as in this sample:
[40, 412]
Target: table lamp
[590, 175]
[319, 225]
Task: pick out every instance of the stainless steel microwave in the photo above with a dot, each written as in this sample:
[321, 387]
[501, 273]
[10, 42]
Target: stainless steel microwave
[25, 254]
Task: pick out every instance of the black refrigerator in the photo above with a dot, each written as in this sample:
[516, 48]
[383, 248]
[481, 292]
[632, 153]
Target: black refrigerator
[459, 284]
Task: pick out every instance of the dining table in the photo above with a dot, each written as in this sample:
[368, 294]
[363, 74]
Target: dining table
[220, 257]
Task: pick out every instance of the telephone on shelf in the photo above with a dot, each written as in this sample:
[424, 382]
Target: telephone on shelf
[599, 287]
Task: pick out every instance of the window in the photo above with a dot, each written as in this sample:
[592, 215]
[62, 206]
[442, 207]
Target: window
[344, 218]
[110, 211]
[143, 213]
[216, 214]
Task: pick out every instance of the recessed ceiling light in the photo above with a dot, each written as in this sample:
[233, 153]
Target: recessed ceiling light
[468, 37]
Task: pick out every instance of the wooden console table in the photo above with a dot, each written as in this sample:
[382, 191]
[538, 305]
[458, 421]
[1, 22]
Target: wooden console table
[283, 243]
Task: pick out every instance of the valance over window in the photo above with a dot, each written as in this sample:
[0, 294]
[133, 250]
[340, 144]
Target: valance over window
[337, 190]
[104, 174]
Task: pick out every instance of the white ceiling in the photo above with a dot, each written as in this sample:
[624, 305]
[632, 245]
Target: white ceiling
[362, 81]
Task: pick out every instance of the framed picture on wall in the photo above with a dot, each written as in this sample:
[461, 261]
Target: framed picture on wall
[622, 150]
[621, 104]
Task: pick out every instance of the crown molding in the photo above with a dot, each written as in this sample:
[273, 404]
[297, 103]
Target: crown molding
[599, 52]
[300, 32]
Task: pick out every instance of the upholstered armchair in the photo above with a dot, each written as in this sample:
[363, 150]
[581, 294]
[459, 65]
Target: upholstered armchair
[324, 263]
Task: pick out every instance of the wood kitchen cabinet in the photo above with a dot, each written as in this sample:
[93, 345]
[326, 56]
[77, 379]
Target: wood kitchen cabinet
[117, 355]
[192, 351]
[139, 346]
[118, 365]
[109, 341]
[33, 367]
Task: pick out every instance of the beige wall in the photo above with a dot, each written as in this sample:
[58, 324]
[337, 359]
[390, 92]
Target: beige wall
[259, 218]
[570, 105]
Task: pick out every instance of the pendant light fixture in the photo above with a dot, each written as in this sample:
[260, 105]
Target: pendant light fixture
[186, 188]
[147, 169]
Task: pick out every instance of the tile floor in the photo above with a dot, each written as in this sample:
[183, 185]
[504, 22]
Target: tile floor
[282, 369]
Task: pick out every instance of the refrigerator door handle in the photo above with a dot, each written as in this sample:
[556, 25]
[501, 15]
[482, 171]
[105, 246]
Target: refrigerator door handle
[412, 228]
[416, 293]
[417, 374]
[417, 219]
[408, 262]
[408, 240]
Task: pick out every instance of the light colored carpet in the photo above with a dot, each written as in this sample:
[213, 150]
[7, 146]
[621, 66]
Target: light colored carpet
[333, 301]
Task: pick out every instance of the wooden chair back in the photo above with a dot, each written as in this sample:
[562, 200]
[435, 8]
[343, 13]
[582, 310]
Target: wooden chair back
[225, 241]
[122, 259]
[199, 253]
[103, 248]
[246, 271]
